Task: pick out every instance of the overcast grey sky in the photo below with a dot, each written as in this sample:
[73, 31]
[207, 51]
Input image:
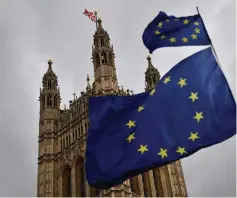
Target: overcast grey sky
[32, 31]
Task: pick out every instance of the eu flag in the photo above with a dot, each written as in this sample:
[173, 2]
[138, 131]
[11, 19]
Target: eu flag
[191, 108]
[170, 31]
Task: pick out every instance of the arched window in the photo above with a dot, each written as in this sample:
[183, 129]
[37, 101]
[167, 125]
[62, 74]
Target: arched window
[49, 84]
[102, 42]
[80, 178]
[97, 60]
[66, 140]
[49, 101]
[85, 127]
[55, 101]
[151, 81]
[81, 131]
[103, 58]
[61, 145]
[67, 182]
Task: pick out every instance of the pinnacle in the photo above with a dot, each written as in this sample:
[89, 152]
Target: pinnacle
[50, 62]
[149, 62]
[50, 73]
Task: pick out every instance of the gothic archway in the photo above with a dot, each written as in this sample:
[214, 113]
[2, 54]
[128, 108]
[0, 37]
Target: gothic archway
[80, 178]
[67, 181]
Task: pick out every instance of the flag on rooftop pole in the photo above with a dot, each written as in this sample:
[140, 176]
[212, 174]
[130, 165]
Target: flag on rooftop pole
[90, 15]
[171, 31]
[191, 108]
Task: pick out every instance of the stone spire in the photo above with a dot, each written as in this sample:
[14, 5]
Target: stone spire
[103, 60]
[88, 87]
[152, 76]
[50, 93]
[50, 79]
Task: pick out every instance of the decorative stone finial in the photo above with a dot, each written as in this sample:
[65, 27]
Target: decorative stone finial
[50, 64]
[99, 23]
[88, 79]
[149, 61]
[148, 57]
[50, 61]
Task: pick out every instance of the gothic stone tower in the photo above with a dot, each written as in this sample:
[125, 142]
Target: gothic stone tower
[62, 135]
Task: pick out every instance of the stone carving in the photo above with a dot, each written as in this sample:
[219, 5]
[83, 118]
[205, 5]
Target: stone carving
[67, 157]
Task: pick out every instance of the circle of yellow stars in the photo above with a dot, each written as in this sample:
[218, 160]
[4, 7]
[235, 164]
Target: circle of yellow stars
[173, 40]
[163, 153]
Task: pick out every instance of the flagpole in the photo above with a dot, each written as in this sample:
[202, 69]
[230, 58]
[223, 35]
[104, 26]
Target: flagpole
[95, 12]
[212, 46]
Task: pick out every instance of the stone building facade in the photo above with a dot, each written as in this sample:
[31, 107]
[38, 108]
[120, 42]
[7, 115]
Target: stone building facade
[62, 135]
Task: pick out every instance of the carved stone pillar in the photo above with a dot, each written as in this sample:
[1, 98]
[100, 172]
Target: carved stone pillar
[87, 189]
[141, 189]
[153, 189]
[73, 174]
[165, 183]
[60, 185]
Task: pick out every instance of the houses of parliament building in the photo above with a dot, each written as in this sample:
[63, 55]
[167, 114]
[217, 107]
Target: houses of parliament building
[62, 136]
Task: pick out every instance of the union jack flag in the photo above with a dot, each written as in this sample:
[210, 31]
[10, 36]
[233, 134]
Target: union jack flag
[91, 15]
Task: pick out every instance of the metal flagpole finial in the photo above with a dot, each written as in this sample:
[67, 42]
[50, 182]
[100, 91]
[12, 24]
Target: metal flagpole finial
[197, 9]
[95, 12]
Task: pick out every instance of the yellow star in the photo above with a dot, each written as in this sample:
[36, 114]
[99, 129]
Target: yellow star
[131, 124]
[163, 37]
[157, 32]
[140, 108]
[172, 40]
[182, 82]
[160, 25]
[130, 137]
[167, 20]
[193, 136]
[194, 36]
[186, 21]
[152, 92]
[167, 79]
[142, 148]
[196, 23]
[193, 96]
[197, 30]
[163, 153]
[181, 150]
[198, 116]
[185, 40]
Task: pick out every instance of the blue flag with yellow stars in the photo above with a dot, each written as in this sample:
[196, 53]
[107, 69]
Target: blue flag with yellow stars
[191, 108]
[170, 31]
